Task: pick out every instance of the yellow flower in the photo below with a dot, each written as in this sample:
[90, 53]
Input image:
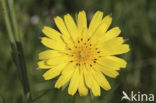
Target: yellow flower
[82, 56]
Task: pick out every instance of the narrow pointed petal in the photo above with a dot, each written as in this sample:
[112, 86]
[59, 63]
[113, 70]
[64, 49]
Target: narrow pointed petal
[102, 28]
[95, 22]
[83, 91]
[112, 33]
[120, 49]
[57, 45]
[113, 61]
[88, 78]
[51, 33]
[82, 21]
[95, 88]
[47, 54]
[113, 42]
[101, 80]
[42, 65]
[74, 83]
[57, 60]
[61, 26]
[66, 75]
[71, 26]
[106, 22]
[54, 72]
[107, 70]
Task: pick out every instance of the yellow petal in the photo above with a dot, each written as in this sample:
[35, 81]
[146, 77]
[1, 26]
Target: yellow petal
[106, 22]
[101, 80]
[120, 49]
[70, 68]
[74, 83]
[57, 45]
[54, 72]
[61, 26]
[42, 65]
[51, 33]
[67, 73]
[107, 70]
[95, 22]
[71, 26]
[102, 28]
[83, 91]
[63, 79]
[113, 61]
[112, 43]
[63, 29]
[88, 77]
[95, 88]
[82, 21]
[84, 36]
[57, 60]
[47, 54]
[112, 33]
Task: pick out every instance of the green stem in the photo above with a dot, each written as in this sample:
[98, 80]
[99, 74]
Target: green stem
[8, 25]
[73, 101]
[14, 21]
[76, 98]
[17, 50]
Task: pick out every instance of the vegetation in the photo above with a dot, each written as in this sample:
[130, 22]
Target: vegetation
[136, 18]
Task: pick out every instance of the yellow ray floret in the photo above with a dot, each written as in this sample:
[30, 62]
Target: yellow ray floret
[82, 56]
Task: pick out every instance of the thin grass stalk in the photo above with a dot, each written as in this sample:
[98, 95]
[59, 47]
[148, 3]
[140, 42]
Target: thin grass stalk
[7, 22]
[14, 20]
[17, 50]
[76, 98]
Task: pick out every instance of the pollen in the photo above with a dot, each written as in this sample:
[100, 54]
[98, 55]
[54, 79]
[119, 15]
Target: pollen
[83, 54]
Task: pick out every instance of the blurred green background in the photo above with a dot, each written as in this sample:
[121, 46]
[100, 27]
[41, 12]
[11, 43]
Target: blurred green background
[137, 20]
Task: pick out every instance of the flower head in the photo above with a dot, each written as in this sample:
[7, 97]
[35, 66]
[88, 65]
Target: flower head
[82, 56]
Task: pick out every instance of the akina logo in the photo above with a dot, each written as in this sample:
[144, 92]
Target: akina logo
[137, 96]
